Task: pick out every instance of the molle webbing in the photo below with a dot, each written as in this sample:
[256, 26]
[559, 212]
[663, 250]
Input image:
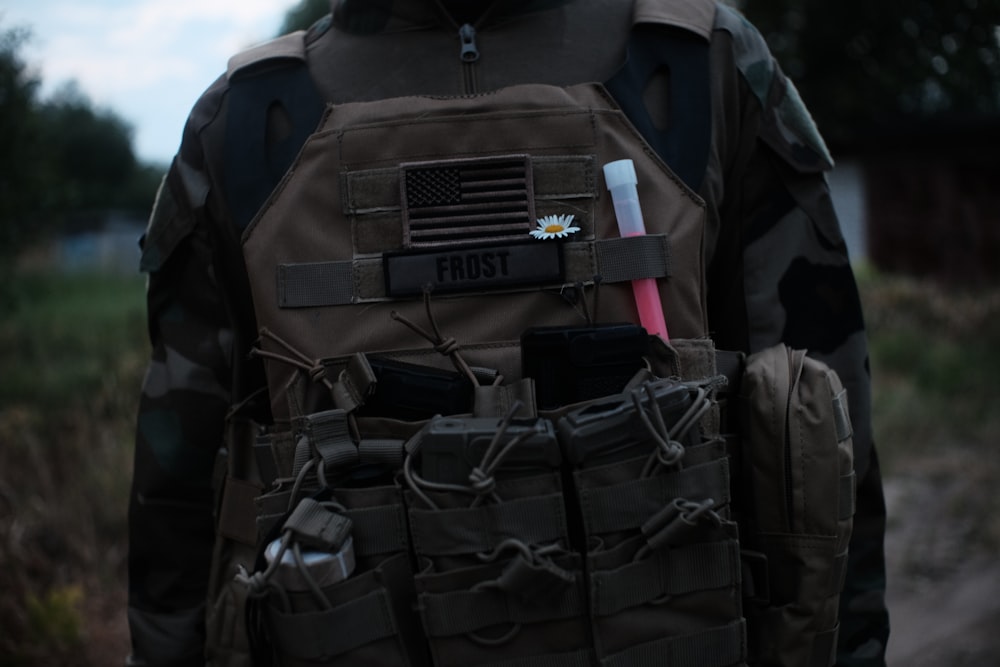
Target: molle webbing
[627, 504]
[314, 284]
[636, 553]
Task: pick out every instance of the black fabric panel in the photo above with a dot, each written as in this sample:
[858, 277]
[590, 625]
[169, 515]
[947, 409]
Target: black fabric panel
[685, 137]
[256, 162]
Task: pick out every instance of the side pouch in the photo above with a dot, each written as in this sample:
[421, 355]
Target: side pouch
[798, 511]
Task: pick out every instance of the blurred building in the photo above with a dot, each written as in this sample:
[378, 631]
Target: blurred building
[929, 198]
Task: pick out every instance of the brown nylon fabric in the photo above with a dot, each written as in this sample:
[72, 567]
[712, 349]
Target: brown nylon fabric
[799, 463]
[307, 219]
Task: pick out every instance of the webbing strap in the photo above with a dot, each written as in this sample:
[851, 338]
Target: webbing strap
[824, 648]
[354, 384]
[633, 257]
[382, 450]
[841, 417]
[341, 282]
[535, 520]
[838, 575]
[324, 634]
[699, 567]
[330, 437]
[313, 525]
[378, 530]
[461, 612]
[572, 659]
[314, 284]
[627, 505]
[716, 647]
[847, 494]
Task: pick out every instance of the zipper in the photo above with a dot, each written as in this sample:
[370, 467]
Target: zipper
[468, 55]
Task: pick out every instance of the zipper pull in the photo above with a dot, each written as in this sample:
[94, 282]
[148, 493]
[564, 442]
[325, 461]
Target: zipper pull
[470, 53]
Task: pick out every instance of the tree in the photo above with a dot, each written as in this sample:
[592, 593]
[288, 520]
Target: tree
[20, 163]
[59, 157]
[304, 14]
[89, 153]
[860, 63]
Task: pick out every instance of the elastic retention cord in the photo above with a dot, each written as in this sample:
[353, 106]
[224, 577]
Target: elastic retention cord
[668, 451]
[446, 346]
[299, 360]
[481, 482]
[482, 475]
[259, 584]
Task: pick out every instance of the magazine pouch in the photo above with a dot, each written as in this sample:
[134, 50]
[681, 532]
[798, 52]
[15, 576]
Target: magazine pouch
[798, 473]
[652, 490]
[495, 576]
[333, 584]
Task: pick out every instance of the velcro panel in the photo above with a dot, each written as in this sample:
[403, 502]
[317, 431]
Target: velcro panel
[564, 177]
[314, 284]
[372, 197]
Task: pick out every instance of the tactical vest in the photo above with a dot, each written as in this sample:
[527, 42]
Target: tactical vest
[477, 458]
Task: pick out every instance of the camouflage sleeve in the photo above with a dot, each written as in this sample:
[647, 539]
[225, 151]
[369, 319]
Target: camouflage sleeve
[179, 430]
[798, 287]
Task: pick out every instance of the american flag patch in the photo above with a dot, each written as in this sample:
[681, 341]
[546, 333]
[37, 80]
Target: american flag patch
[457, 202]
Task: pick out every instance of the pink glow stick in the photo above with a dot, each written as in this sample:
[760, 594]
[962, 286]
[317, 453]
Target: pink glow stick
[621, 180]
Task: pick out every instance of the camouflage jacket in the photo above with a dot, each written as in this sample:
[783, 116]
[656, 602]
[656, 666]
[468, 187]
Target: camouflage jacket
[778, 268]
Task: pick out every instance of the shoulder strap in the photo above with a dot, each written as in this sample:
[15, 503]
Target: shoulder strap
[273, 107]
[669, 49]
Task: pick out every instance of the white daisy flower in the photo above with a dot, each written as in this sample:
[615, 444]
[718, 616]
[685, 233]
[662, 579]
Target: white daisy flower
[554, 227]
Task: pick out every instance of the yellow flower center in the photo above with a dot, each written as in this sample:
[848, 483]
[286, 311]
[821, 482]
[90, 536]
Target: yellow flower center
[554, 229]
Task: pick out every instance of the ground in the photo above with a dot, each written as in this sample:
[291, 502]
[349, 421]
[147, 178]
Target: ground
[944, 562]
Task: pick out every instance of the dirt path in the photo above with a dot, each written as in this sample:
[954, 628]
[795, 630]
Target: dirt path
[944, 568]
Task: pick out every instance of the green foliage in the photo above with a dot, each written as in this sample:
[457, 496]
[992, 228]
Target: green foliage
[20, 166]
[88, 153]
[64, 333]
[54, 619]
[61, 157]
[934, 365]
[304, 14]
[73, 351]
[857, 61]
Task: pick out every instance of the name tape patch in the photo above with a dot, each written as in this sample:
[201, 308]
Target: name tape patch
[473, 268]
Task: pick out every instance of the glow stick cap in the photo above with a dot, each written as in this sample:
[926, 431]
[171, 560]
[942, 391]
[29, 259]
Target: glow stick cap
[619, 172]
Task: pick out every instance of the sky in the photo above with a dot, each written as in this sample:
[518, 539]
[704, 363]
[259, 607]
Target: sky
[145, 60]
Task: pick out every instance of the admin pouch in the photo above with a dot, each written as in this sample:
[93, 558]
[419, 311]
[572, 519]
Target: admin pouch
[798, 504]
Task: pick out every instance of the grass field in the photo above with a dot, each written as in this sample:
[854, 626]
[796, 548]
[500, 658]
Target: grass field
[72, 354]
